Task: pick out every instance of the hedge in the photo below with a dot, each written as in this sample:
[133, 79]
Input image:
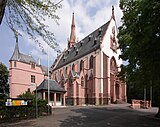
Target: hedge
[16, 113]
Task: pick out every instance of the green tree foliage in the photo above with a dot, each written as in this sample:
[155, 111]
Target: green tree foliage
[29, 16]
[4, 86]
[29, 95]
[139, 39]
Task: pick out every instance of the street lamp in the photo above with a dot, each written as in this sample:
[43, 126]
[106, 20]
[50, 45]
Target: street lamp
[36, 103]
[36, 100]
[48, 82]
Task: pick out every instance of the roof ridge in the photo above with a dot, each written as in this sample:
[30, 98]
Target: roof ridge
[53, 86]
[88, 35]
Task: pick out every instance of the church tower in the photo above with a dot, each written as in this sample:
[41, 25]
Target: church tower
[72, 39]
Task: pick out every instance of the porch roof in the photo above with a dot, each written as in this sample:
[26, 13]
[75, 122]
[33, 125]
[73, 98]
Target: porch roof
[53, 86]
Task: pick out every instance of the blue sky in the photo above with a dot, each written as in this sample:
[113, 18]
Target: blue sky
[89, 15]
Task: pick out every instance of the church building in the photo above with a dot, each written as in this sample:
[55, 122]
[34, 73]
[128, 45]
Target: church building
[88, 69]
[26, 74]
[85, 73]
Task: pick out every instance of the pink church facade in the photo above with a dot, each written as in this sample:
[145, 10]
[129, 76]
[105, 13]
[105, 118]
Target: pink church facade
[88, 69]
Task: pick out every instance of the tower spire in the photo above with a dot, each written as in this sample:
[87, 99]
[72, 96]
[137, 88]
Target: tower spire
[113, 12]
[16, 53]
[72, 39]
[73, 24]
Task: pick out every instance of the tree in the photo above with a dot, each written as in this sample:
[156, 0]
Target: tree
[139, 38]
[4, 86]
[29, 16]
[29, 95]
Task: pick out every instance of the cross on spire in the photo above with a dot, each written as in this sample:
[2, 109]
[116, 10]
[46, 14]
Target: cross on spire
[16, 35]
[113, 12]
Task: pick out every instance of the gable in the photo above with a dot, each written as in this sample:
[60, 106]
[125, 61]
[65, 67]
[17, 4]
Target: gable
[106, 44]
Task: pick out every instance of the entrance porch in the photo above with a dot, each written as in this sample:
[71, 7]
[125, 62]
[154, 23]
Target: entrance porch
[56, 93]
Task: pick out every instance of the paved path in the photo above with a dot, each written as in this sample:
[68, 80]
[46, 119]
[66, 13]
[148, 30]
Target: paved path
[94, 116]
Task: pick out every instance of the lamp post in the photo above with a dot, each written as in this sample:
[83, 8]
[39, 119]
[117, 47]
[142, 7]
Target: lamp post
[36, 103]
[36, 99]
[48, 82]
[150, 96]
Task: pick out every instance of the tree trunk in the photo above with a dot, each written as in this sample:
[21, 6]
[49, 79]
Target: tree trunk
[2, 9]
[158, 113]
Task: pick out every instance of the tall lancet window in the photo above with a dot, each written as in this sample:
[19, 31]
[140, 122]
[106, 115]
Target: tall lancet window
[82, 82]
[91, 62]
[81, 65]
[73, 67]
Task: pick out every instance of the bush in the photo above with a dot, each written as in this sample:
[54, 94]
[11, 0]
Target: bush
[29, 95]
[41, 102]
[16, 113]
[2, 102]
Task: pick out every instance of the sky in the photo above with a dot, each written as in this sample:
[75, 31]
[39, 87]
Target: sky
[89, 15]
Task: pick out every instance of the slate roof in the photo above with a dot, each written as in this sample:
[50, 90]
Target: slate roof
[17, 56]
[26, 58]
[84, 47]
[54, 86]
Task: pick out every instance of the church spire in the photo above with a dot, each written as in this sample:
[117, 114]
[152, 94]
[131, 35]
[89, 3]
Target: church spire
[72, 39]
[15, 55]
[73, 24]
[113, 12]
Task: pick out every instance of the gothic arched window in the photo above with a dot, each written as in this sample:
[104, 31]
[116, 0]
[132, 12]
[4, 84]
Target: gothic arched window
[81, 65]
[113, 65]
[91, 62]
[66, 70]
[82, 82]
[73, 67]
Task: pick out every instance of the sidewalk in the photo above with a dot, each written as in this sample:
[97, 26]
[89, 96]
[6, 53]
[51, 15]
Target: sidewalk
[150, 110]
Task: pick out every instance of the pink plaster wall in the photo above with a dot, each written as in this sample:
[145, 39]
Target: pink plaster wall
[21, 78]
[105, 84]
[76, 66]
[96, 75]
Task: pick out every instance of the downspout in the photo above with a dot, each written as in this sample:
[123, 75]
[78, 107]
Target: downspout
[101, 75]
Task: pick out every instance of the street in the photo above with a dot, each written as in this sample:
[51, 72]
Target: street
[94, 116]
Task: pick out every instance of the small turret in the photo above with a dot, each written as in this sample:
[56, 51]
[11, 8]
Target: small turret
[39, 61]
